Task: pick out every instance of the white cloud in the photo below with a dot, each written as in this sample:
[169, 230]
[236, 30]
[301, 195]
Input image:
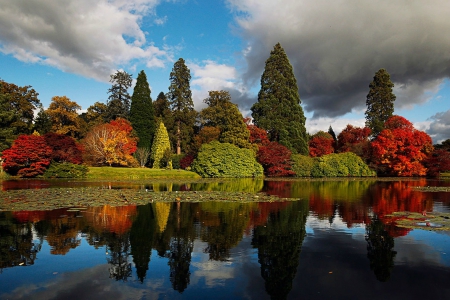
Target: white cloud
[89, 38]
[439, 127]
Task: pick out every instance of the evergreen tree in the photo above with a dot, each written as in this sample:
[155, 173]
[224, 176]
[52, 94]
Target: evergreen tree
[223, 114]
[160, 146]
[119, 98]
[333, 135]
[182, 106]
[43, 122]
[7, 117]
[141, 112]
[162, 111]
[380, 101]
[278, 108]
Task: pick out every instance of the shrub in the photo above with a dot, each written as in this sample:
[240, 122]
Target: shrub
[187, 161]
[275, 159]
[65, 170]
[226, 160]
[302, 165]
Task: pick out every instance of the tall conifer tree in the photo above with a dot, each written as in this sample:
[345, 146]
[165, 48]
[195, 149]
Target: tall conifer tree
[278, 108]
[119, 98]
[142, 116]
[180, 99]
[380, 102]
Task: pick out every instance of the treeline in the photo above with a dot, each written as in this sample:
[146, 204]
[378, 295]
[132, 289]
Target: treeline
[133, 130]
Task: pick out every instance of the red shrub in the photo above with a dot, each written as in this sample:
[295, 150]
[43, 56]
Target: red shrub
[64, 148]
[275, 159]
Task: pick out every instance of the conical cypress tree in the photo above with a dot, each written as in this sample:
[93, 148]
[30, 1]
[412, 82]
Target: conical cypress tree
[278, 108]
[142, 116]
[161, 144]
[380, 101]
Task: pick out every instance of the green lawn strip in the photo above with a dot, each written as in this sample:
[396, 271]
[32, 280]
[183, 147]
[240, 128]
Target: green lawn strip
[48, 199]
[137, 173]
[432, 188]
[435, 221]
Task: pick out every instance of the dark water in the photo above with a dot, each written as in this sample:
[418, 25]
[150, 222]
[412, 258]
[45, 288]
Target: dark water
[335, 242]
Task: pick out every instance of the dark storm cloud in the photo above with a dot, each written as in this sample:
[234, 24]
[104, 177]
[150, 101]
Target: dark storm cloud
[336, 47]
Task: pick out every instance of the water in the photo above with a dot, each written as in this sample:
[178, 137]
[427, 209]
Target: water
[335, 242]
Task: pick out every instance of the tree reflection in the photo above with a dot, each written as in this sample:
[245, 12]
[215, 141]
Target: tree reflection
[379, 249]
[279, 245]
[118, 248]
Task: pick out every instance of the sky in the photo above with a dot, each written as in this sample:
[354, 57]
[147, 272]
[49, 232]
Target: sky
[71, 47]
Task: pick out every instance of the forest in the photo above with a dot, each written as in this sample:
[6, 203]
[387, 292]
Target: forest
[133, 130]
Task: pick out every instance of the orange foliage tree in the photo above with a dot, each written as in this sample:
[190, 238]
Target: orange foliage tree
[110, 144]
[354, 139]
[321, 144]
[399, 149]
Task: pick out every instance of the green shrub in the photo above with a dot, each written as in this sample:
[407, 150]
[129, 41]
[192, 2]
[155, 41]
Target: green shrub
[65, 170]
[302, 165]
[226, 160]
[176, 158]
[346, 164]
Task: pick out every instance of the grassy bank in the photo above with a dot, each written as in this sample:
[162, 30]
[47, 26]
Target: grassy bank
[137, 173]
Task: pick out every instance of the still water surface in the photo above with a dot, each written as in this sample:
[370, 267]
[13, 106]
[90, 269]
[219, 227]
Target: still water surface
[335, 242]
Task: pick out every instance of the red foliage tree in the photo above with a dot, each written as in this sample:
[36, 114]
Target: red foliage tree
[438, 161]
[321, 144]
[257, 135]
[354, 139]
[275, 159]
[29, 156]
[64, 148]
[400, 149]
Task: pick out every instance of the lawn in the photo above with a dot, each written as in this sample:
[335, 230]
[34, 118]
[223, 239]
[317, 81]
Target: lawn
[137, 173]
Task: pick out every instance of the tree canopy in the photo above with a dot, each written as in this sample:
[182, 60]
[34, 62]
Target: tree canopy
[63, 115]
[278, 108]
[380, 101]
[160, 146]
[119, 98]
[142, 116]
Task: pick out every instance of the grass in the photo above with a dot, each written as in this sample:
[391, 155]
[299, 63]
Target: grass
[137, 173]
[445, 174]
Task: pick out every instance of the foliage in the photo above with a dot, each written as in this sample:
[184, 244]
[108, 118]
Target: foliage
[43, 122]
[321, 144]
[110, 144]
[64, 148]
[257, 135]
[351, 137]
[400, 149]
[7, 117]
[28, 156]
[65, 170]
[223, 114]
[141, 112]
[302, 165]
[23, 102]
[437, 162]
[187, 161]
[275, 159]
[64, 116]
[380, 101]
[95, 115]
[340, 165]
[182, 106]
[278, 108]
[226, 160]
[176, 159]
[118, 105]
[333, 135]
[161, 144]
[206, 135]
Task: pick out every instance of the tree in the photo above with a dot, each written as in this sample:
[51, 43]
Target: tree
[161, 145]
[182, 106]
[400, 149]
[7, 117]
[278, 108]
[380, 101]
[142, 116]
[206, 135]
[257, 135]
[356, 140]
[64, 148]
[110, 144]
[43, 122]
[29, 156]
[438, 161]
[275, 159]
[23, 101]
[119, 98]
[223, 114]
[64, 116]
[333, 135]
[321, 144]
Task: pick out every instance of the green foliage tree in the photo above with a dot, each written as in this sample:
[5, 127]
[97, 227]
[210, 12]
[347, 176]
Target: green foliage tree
[380, 101]
[43, 122]
[142, 116]
[223, 114]
[278, 108]
[23, 101]
[182, 106]
[7, 117]
[226, 160]
[119, 98]
[161, 144]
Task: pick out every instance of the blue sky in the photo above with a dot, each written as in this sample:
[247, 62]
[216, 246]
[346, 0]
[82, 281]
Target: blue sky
[70, 48]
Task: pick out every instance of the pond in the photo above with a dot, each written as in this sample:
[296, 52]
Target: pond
[328, 240]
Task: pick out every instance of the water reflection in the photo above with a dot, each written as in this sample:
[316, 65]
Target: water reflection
[132, 237]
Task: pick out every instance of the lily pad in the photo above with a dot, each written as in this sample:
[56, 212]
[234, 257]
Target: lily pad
[435, 221]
